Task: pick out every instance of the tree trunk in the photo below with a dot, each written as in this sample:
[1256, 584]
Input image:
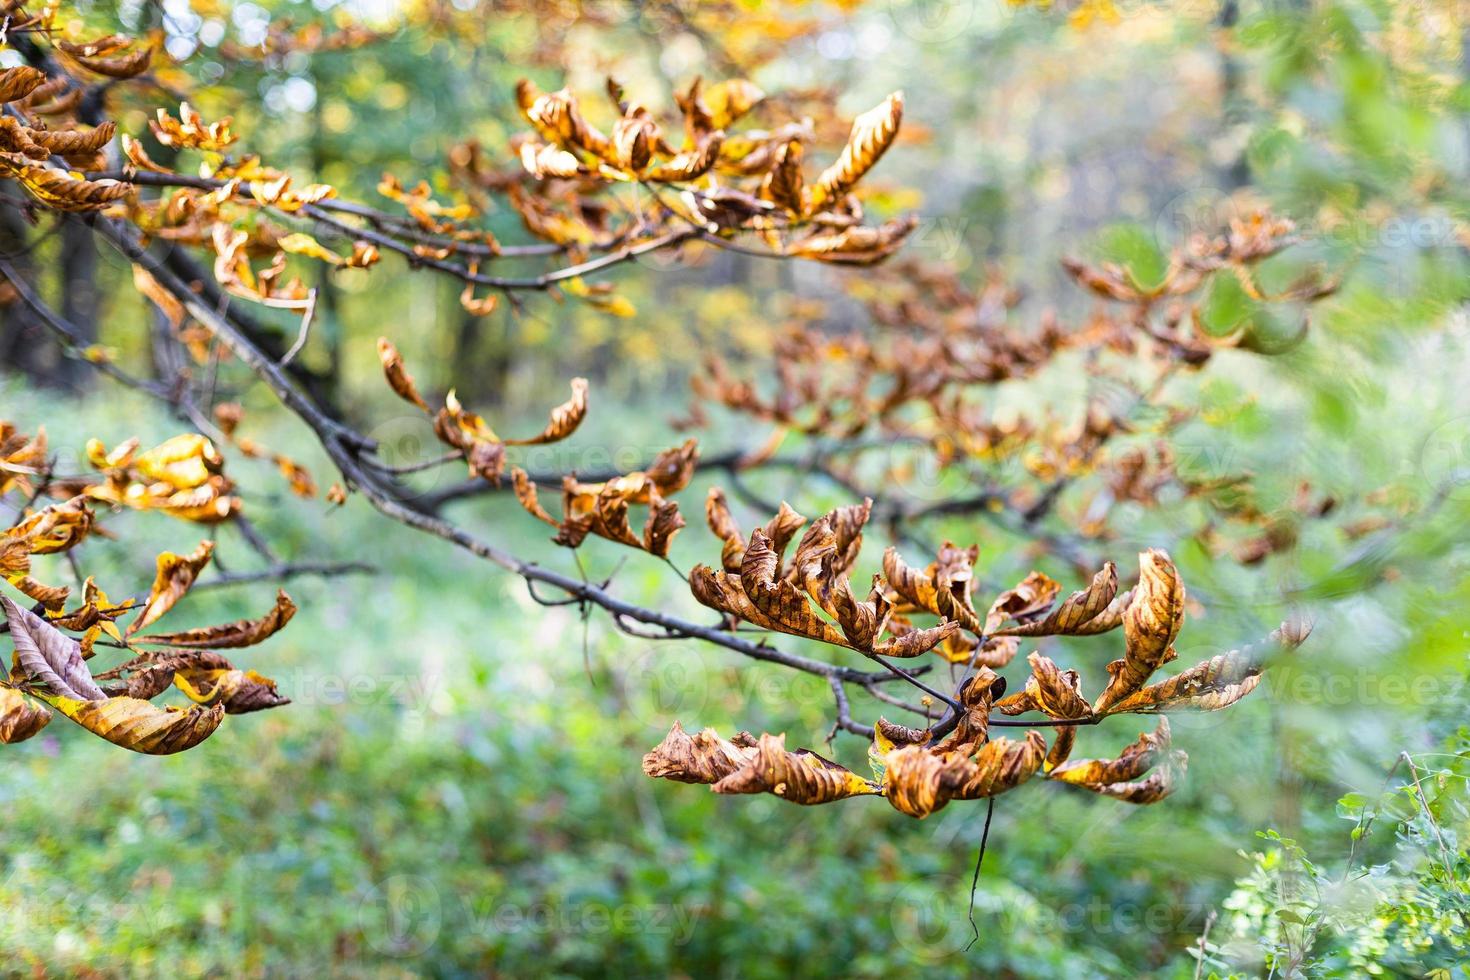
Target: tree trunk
[26, 346]
[79, 299]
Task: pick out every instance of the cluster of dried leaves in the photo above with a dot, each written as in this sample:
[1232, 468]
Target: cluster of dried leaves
[757, 586]
[54, 643]
[920, 770]
[42, 143]
[943, 340]
[724, 182]
[928, 386]
[700, 177]
[587, 508]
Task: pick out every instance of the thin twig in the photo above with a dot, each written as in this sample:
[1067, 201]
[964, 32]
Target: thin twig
[305, 330]
[979, 858]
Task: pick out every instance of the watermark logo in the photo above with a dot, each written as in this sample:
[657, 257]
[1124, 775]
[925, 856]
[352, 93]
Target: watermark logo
[930, 917]
[1444, 459]
[401, 915]
[934, 21]
[408, 449]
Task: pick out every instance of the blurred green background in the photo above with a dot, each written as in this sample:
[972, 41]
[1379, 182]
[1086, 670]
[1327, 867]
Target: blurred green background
[455, 790]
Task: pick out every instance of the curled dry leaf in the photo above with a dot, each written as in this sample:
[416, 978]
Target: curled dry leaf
[241, 633]
[872, 134]
[564, 418]
[101, 56]
[887, 732]
[1132, 762]
[919, 781]
[1061, 747]
[141, 726]
[21, 457]
[1049, 689]
[167, 303]
[55, 528]
[1107, 620]
[174, 577]
[783, 184]
[943, 588]
[1215, 683]
[700, 758]
[1150, 624]
[975, 696]
[1160, 784]
[19, 82]
[467, 432]
[48, 656]
[725, 102]
[690, 164]
[798, 777]
[723, 592]
[634, 138]
[1033, 596]
[717, 515]
[1077, 612]
[21, 715]
[1120, 777]
[59, 189]
[16, 138]
[240, 691]
[52, 597]
[542, 161]
[858, 245]
[783, 606]
[67, 142]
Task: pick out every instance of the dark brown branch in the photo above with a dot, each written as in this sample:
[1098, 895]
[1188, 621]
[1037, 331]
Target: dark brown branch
[322, 214]
[287, 570]
[844, 714]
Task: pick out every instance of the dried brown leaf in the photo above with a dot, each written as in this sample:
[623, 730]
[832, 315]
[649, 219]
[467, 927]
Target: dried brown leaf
[48, 656]
[1078, 610]
[21, 715]
[798, 777]
[700, 758]
[1150, 624]
[242, 633]
[398, 377]
[174, 576]
[141, 726]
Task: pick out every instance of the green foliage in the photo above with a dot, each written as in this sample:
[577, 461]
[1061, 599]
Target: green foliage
[1398, 903]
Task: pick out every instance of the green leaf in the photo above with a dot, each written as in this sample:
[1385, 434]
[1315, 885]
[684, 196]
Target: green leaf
[1134, 249]
[1350, 807]
[1226, 306]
